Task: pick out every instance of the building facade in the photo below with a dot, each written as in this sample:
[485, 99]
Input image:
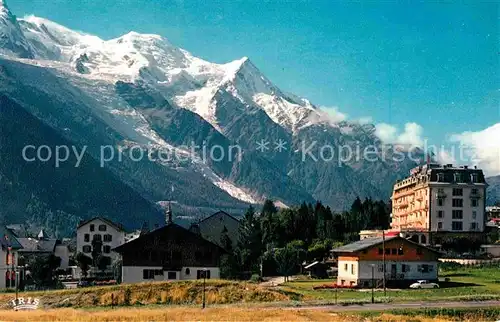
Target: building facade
[214, 226]
[361, 264]
[169, 253]
[100, 235]
[437, 202]
[9, 247]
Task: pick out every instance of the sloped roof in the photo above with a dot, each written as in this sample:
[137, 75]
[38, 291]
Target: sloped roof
[362, 244]
[160, 230]
[373, 241]
[8, 238]
[219, 212]
[109, 222]
[33, 245]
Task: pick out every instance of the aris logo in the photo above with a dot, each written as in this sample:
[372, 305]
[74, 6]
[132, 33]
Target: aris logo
[25, 304]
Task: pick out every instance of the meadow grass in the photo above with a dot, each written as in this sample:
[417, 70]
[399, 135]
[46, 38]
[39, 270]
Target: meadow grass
[210, 314]
[466, 284]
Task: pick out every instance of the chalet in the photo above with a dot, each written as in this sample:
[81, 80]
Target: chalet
[405, 262]
[169, 253]
[212, 228]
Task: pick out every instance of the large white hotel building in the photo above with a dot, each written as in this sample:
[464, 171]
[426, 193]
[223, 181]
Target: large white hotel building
[440, 203]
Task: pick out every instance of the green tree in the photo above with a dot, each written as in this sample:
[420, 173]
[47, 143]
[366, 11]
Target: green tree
[42, 270]
[287, 261]
[84, 263]
[249, 246]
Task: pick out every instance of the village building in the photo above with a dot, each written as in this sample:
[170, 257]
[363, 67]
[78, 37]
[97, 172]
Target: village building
[169, 253]
[362, 263]
[438, 204]
[214, 226]
[42, 245]
[100, 236]
[9, 247]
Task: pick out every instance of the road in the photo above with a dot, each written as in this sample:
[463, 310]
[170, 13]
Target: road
[392, 306]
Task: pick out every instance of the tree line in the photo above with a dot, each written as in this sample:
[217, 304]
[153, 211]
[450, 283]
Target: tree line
[279, 240]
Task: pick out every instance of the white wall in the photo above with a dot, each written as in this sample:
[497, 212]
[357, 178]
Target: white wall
[448, 208]
[134, 274]
[363, 270]
[118, 237]
[214, 272]
[62, 252]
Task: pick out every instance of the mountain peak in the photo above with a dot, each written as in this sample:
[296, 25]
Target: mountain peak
[12, 40]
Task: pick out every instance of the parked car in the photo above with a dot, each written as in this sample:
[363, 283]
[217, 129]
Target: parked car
[424, 284]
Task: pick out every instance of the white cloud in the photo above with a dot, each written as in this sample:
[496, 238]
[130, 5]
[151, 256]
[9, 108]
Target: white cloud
[333, 114]
[411, 135]
[365, 120]
[483, 148]
[445, 157]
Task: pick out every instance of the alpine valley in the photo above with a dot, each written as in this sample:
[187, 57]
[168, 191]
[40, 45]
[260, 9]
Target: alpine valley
[59, 87]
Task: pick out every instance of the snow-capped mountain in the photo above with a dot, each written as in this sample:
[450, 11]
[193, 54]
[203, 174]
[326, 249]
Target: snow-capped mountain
[140, 90]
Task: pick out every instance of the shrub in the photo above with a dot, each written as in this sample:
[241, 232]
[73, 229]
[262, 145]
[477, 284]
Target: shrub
[255, 278]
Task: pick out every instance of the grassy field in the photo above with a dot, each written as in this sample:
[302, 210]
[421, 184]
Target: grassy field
[172, 293]
[465, 284]
[239, 314]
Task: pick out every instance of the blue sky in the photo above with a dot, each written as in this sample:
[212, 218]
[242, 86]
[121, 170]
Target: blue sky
[435, 64]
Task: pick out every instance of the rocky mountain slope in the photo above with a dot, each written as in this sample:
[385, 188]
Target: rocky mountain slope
[493, 191]
[140, 94]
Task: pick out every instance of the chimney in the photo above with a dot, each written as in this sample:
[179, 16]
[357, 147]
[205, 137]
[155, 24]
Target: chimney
[169, 214]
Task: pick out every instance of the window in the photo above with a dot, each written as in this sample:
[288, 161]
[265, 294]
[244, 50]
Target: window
[380, 251]
[394, 251]
[440, 202]
[405, 268]
[459, 203]
[474, 214]
[440, 225]
[400, 251]
[440, 177]
[458, 177]
[102, 227]
[474, 202]
[440, 213]
[172, 275]
[352, 269]
[345, 267]
[98, 248]
[474, 191]
[187, 271]
[158, 272]
[148, 274]
[200, 273]
[92, 227]
[419, 251]
[108, 238]
[380, 267]
[458, 192]
[473, 226]
[456, 225]
[86, 249]
[106, 249]
[424, 268]
[97, 237]
[457, 214]
[86, 238]
[387, 251]
[474, 178]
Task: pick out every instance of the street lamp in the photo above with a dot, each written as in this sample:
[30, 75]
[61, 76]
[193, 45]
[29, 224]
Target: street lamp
[204, 282]
[373, 282]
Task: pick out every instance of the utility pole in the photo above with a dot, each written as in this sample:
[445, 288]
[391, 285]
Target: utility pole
[204, 281]
[383, 260]
[373, 283]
